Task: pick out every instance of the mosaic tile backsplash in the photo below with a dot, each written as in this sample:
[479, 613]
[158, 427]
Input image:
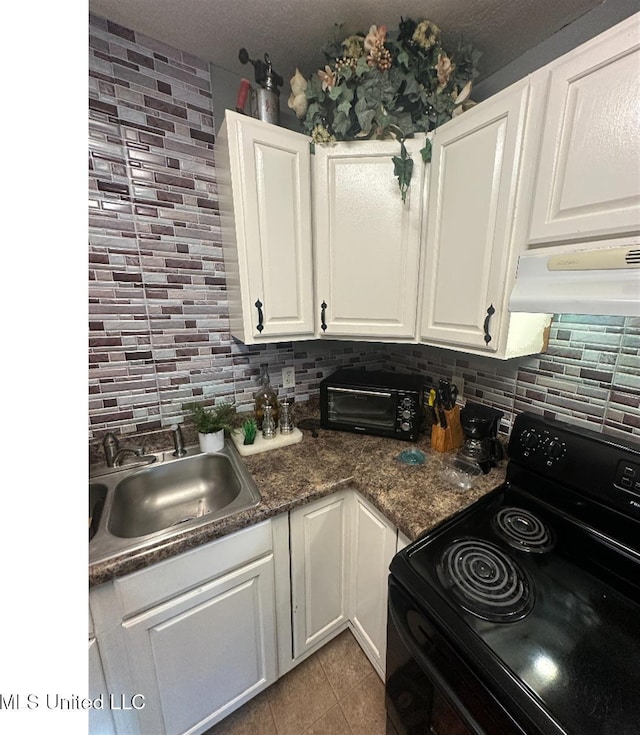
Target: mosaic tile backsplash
[159, 329]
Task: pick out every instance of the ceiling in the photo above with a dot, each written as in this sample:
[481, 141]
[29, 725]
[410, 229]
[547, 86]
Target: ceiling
[294, 31]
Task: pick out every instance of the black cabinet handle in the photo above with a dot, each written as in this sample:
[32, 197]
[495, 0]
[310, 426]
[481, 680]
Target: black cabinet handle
[260, 325]
[323, 320]
[490, 312]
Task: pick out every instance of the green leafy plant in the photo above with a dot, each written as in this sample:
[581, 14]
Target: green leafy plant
[249, 430]
[403, 168]
[211, 420]
[386, 84]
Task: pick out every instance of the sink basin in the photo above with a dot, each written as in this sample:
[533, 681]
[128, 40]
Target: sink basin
[204, 487]
[97, 495]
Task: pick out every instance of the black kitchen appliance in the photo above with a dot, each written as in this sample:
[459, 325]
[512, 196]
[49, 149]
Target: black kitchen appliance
[521, 613]
[480, 428]
[372, 402]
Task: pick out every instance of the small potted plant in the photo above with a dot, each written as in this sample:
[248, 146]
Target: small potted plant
[249, 430]
[211, 424]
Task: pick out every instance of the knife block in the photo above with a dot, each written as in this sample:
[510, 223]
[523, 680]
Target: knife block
[443, 440]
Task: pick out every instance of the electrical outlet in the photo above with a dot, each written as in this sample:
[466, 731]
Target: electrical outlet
[288, 377]
[458, 381]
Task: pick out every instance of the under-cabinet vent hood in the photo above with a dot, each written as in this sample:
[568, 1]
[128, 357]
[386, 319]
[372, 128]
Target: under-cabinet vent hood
[599, 281]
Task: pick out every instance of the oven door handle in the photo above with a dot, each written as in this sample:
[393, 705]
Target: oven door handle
[415, 647]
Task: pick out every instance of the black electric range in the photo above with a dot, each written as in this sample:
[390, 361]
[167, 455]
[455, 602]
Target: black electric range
[521, 614]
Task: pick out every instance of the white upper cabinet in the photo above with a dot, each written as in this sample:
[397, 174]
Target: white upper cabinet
[367, 242]
[265, 206]
[470, 256]
[588, 178]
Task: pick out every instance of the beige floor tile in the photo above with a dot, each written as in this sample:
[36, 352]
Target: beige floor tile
[344, 663]
[253, 718]
[364, 707]
[333, 723]
[300, 698]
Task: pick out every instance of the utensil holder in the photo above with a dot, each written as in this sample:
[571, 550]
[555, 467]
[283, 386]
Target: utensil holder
[443, 440]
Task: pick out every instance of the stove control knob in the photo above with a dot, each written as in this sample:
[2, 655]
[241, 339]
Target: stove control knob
[529, 440]
[405, 426]
[406, 414]
[555, 449]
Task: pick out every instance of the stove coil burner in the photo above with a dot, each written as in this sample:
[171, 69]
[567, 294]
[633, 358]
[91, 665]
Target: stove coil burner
[485, 581]
[523, 530]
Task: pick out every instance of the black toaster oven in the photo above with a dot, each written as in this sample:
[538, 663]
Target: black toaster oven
[372, 402]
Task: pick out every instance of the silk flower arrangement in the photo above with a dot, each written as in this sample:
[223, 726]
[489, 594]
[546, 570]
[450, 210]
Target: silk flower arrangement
[386, 84]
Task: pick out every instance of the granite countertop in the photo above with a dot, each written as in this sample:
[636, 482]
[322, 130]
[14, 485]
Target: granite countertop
[412, 497]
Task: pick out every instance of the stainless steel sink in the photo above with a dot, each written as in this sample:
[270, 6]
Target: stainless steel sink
[97, 496]
[163, 496]
[144, 506]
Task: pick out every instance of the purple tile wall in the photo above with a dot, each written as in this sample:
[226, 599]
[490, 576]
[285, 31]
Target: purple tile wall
[158, 314]
[589, 376]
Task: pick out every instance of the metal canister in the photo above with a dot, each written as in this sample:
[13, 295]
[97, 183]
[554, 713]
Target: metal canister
[268, 105]
[268, 423]
[286, 416]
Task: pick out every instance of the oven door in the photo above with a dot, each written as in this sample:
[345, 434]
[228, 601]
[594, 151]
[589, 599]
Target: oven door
[360, 409]
[429, 688]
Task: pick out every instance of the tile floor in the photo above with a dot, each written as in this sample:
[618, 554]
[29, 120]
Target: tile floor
[334, 692]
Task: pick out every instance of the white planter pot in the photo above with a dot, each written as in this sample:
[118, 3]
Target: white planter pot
[211, 443]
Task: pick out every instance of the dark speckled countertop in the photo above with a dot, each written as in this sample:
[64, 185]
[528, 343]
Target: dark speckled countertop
[412, 497]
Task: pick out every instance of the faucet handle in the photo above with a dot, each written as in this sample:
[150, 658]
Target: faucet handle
[111, 446]
[178, 441]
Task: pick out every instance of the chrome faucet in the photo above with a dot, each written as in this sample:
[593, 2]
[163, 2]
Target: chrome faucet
[114, 453]
[178, 441]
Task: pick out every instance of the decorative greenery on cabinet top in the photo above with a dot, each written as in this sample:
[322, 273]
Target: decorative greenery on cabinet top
[386, 84]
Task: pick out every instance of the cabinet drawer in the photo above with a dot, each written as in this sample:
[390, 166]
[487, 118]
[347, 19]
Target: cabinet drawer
[161, 581]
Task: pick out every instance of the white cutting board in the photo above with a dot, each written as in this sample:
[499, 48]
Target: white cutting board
[264, 445]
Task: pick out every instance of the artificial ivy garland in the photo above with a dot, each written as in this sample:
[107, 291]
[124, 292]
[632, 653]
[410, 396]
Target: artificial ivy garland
[386, 84]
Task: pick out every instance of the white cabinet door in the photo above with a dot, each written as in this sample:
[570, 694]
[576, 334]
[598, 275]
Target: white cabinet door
[264, 179]
[199, 656]
[588, 181]
[367, 242]
[374, 544]
[319, 570]
[100, 719]
[470, 260]
[402, 541]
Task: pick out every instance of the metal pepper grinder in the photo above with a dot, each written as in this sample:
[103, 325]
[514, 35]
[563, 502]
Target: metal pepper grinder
[268, 423]
[267, 93]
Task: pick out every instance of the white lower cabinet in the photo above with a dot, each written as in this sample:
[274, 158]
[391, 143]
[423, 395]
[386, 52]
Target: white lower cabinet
[179, 645]
[402, 541]
[341, 548]
[199, 655]
[320, 549]
[191, 638]
[374, 544]
[100, 718]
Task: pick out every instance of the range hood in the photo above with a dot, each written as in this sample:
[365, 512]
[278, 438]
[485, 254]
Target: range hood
[597, 281]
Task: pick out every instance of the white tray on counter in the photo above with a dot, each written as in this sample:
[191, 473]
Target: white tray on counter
[264, 445]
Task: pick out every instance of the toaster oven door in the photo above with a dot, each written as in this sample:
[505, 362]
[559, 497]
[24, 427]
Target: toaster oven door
[373, 410]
